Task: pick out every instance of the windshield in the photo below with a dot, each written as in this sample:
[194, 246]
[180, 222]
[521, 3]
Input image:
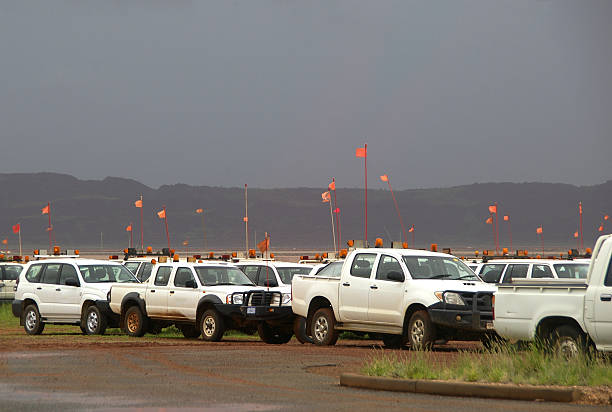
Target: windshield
[222, 275]
[438, 267]
[572, 270]
[287, 274]
[332, 270]
[132, 266]
[106, 274]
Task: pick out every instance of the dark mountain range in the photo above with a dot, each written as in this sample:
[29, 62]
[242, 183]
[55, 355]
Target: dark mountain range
[295, 218]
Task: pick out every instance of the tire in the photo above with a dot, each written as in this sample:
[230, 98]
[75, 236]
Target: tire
[32, 322]
[567, 341]
[190, 331]
[393, 341]
[492, 343]
[322, 328]
[299, 330]
[212, 326]
[135, 322]
[94, 322]
[421, 331]
[273, 336]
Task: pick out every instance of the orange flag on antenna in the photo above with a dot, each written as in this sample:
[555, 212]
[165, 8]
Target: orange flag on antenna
[332, 185]
[606, 217]
[411, 229]
[576, 235]
[493, 209]
[361, 152]
[16, 228]
[489, 220]
[162, 214]
[326, 197]
[4, 241]
[539, 230]
[580, 207]
[384, 178]
[264, 245]
[198, 211]
[45, 210]
[337, 210]
[138, 203]
[600, 228]
[506, 218]
[245, 219]
[128, 228]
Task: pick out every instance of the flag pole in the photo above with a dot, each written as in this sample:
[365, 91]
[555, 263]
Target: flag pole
[131, 235]
[510, 233]
[246, 220]
[397, 209]
[496, 230]
[365, 163]
[542, 240]
[50, 227]
[581, 238]
[20, 252]
[413, 246]
[141, 226]
[331, 214]
[336, 210]
[203, 230]
[166, 223]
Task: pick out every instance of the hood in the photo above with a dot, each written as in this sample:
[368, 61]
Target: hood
[97, 288]
[460, 285]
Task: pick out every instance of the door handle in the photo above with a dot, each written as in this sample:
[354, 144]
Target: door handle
[373, 287]
[39, 288]
[346, 284]
[58, 290]
[152, 291]
[172, 292]
[606, 298]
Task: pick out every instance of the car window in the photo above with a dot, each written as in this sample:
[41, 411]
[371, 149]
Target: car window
[491, 273]
[33, 273]
[163, 275]
[51, 274]
[251, 272]
[386, 265]
[222, 275]
[144, 272]
[267, 277]
[182, 276]
[541, 271]
[572, 270]
[438, 267]
[11, 272]
[608, 279]
[286, 274]
[103, 273]
[332, 270]
[515, 271]
[68, 272]
[132, 266]
[362, 265]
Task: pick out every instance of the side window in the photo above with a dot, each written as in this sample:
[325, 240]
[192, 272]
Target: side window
[267, 278]
[132, 266]
[144, 272]
[386, 265]
[362, 265]
[491, 273]
[12, 272]
[515, 271]
[68, 272]
[251, 272]
[182, 276]
[163, 275]
[52, 272]
[33, 273]
[541, 271]
[608, 280]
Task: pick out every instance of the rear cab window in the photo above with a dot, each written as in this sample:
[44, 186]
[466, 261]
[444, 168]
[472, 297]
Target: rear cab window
[11, 272]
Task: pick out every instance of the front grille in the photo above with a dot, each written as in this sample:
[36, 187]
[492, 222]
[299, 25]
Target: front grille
[259, 299]
[483, 301]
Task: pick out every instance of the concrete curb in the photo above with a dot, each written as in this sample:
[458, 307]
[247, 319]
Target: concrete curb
[463, 389]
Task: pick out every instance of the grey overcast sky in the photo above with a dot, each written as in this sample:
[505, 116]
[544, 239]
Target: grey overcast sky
[280, 93]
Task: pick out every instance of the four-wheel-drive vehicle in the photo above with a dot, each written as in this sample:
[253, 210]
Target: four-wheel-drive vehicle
[511, 270]
[70, 291]
[271, 308]
[196, 297]
[568, 314]
[9, 273]
[406, 296]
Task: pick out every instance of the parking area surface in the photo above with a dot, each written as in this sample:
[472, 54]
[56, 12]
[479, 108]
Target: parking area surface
[75, 372]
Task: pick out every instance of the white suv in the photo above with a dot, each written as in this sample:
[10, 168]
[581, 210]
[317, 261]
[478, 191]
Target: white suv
[9, 273]
[68, 291]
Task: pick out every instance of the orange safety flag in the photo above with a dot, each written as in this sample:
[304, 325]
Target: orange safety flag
[384, 178]
[45, 210]
[16, 228]
[326, 197]
[50, 228]
[128, 228]
[361, 152]
[493, 209]
[337, 210]
[539, 230]
[185, 242]
[489, 220]
[138, 203]
[264, 245]
[580, 207]
[245, 219]
[506, 218]
[600, 228]
[4, 241]
[411, 229]
[162, 214]
[576, 235]
[198, 211]
[332, 185]
[606, 217]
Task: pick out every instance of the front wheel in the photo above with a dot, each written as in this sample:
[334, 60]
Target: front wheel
[421, 332]
[273, 336]
[568, 341]
[135, 322]
[95, 322]
[32, 322]
[322, 328]
[212, 326]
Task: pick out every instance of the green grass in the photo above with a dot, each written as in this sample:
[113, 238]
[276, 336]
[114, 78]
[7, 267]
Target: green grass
[504, 364]
[6, 315]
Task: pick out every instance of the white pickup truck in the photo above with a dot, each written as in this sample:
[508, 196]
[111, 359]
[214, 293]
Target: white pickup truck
[569, 314]
[196, 297]
[406, 296]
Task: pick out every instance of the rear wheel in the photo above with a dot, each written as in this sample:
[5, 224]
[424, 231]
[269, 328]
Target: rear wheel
[189, 331]
[568, 341]
[322, 327]
[135, 322]
[32, 322]
[212, 326]
[299, 330]
[421, 333]
[272, 335]
[95, 322]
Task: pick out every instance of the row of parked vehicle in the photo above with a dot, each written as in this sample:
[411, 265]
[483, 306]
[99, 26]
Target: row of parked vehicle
[402, 296]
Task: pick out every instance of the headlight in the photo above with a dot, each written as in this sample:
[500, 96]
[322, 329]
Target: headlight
[286, 298]
[236, 298]
[453, 298]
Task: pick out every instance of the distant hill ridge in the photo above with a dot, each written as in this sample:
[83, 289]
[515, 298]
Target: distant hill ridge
[295, 218]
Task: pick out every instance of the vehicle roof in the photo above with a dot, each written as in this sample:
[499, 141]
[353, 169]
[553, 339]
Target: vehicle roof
[404, 252]
[12, 263]
[216, 263]
[274, 263]
[535, 261]
[77, 261]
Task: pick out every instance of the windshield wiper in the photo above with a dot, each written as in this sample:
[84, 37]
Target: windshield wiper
[440, 276]
[466, 276]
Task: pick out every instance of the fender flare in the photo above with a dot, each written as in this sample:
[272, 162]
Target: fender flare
[133, 296]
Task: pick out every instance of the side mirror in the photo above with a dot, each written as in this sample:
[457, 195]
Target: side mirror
[191, 284]
[396, 276]
[72, 282]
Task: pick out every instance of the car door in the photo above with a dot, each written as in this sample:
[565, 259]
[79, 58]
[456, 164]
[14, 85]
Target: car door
[386, 297]
[251, 271]
[144, 271]
[515, 271]
[601, 298]
[267, 277]
[355, 289]
[183, 295]
[157, 294]
[69, 296]
[48, 290]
